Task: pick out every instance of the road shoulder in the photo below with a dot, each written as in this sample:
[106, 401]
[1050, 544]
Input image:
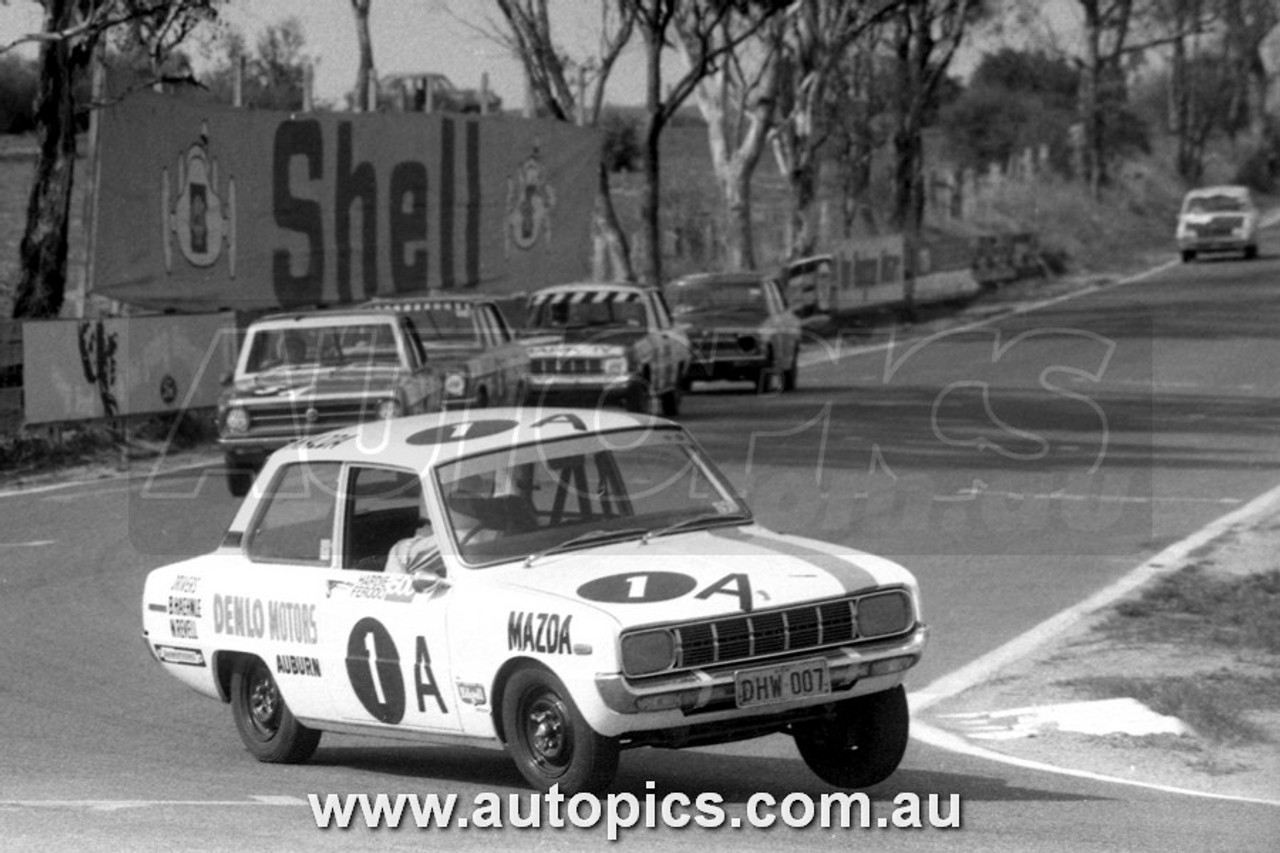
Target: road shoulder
[1043, 688]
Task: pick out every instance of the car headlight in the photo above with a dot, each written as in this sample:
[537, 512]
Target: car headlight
[455, 384]
[616, 366]
[237, 420]
[388, 409]
[647, 652]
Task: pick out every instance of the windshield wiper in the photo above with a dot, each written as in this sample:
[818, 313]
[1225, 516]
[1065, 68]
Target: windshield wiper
[583, 539]
[704, 518]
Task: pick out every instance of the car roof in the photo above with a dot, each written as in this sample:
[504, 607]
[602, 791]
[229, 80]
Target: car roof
[310, 319]
[409, 301]
[423, 441]
[621, 286]
[720, 278]
[1222, 189]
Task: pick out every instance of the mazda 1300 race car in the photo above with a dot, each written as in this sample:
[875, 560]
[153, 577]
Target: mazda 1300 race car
[587, 582]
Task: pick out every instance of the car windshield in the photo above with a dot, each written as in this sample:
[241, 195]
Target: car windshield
[447, 324]
[586, 308]
[690, 296]
[312, 347]
[1215, 204]
[532, 500]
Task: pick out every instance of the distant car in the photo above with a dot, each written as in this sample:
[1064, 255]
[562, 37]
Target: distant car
[807, 284]
[605, 343]
[470, 343]
[302, 374]
[598, 586]
[740, 328]
[1218, 219]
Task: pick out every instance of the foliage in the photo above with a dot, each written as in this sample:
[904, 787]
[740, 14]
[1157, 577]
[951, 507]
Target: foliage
[1016, 99]
[274, 71]
[621, 141]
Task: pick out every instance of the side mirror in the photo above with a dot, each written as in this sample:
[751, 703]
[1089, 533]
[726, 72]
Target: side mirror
[225, 379]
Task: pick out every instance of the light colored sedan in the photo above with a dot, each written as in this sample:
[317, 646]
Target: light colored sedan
[1218, 219]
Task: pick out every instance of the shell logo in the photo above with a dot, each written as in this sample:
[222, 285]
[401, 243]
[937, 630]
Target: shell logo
[530, 201]
[197, 218]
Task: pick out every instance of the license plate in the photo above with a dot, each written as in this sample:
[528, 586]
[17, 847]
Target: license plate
[769, 685]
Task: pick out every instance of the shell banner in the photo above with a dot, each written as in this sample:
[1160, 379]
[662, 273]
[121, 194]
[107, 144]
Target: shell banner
[201, 206]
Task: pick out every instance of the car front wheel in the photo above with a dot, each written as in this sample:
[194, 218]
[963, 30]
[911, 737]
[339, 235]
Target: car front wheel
[239, 478]
[861, 744]
[266, 725]
[550, 741]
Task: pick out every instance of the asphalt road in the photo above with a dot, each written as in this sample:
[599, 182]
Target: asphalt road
[1015, 465]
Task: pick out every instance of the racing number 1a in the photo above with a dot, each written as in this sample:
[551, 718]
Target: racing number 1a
[373, 668]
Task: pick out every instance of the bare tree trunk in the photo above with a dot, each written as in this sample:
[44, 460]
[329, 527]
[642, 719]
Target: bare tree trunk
[363, 100]
[651, 264]
[1091, 148]
[615, 254]
[43, 250]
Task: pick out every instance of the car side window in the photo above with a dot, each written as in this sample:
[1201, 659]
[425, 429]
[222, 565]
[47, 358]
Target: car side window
[500, 324]
[417, 353]
[383, 506]
[295, 522]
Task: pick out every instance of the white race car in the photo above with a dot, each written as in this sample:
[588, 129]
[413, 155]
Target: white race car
[589, 582]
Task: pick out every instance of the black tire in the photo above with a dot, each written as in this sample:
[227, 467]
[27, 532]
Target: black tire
[1250, 252]
[239, 478]
[764, 376]
[643, 399]
[791, 376]
[548, 738]
[671, 402]
[864, 742]
[482, 399]
[1188, 255]
[266, 725]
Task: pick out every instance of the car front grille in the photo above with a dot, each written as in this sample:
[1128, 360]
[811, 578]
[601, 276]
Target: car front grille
[304, 418]
[570, 366]
[839, 621]
[727, 345]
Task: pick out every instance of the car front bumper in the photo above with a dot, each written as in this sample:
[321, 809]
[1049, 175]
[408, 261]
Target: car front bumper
[711, 690]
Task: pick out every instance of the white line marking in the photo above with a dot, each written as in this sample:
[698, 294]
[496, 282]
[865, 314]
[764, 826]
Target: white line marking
[35, 490]
[941, 739]
[821, 357]
[34, 543]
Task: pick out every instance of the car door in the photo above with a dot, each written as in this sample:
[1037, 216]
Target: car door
[385, 640]
[270, 605]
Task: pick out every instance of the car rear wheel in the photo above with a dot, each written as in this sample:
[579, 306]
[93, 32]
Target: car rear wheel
[1250, 252]
[266, 725]
[860, 745]
[1188, 255]
[550, 741]
[791, 376]
[764, 376]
